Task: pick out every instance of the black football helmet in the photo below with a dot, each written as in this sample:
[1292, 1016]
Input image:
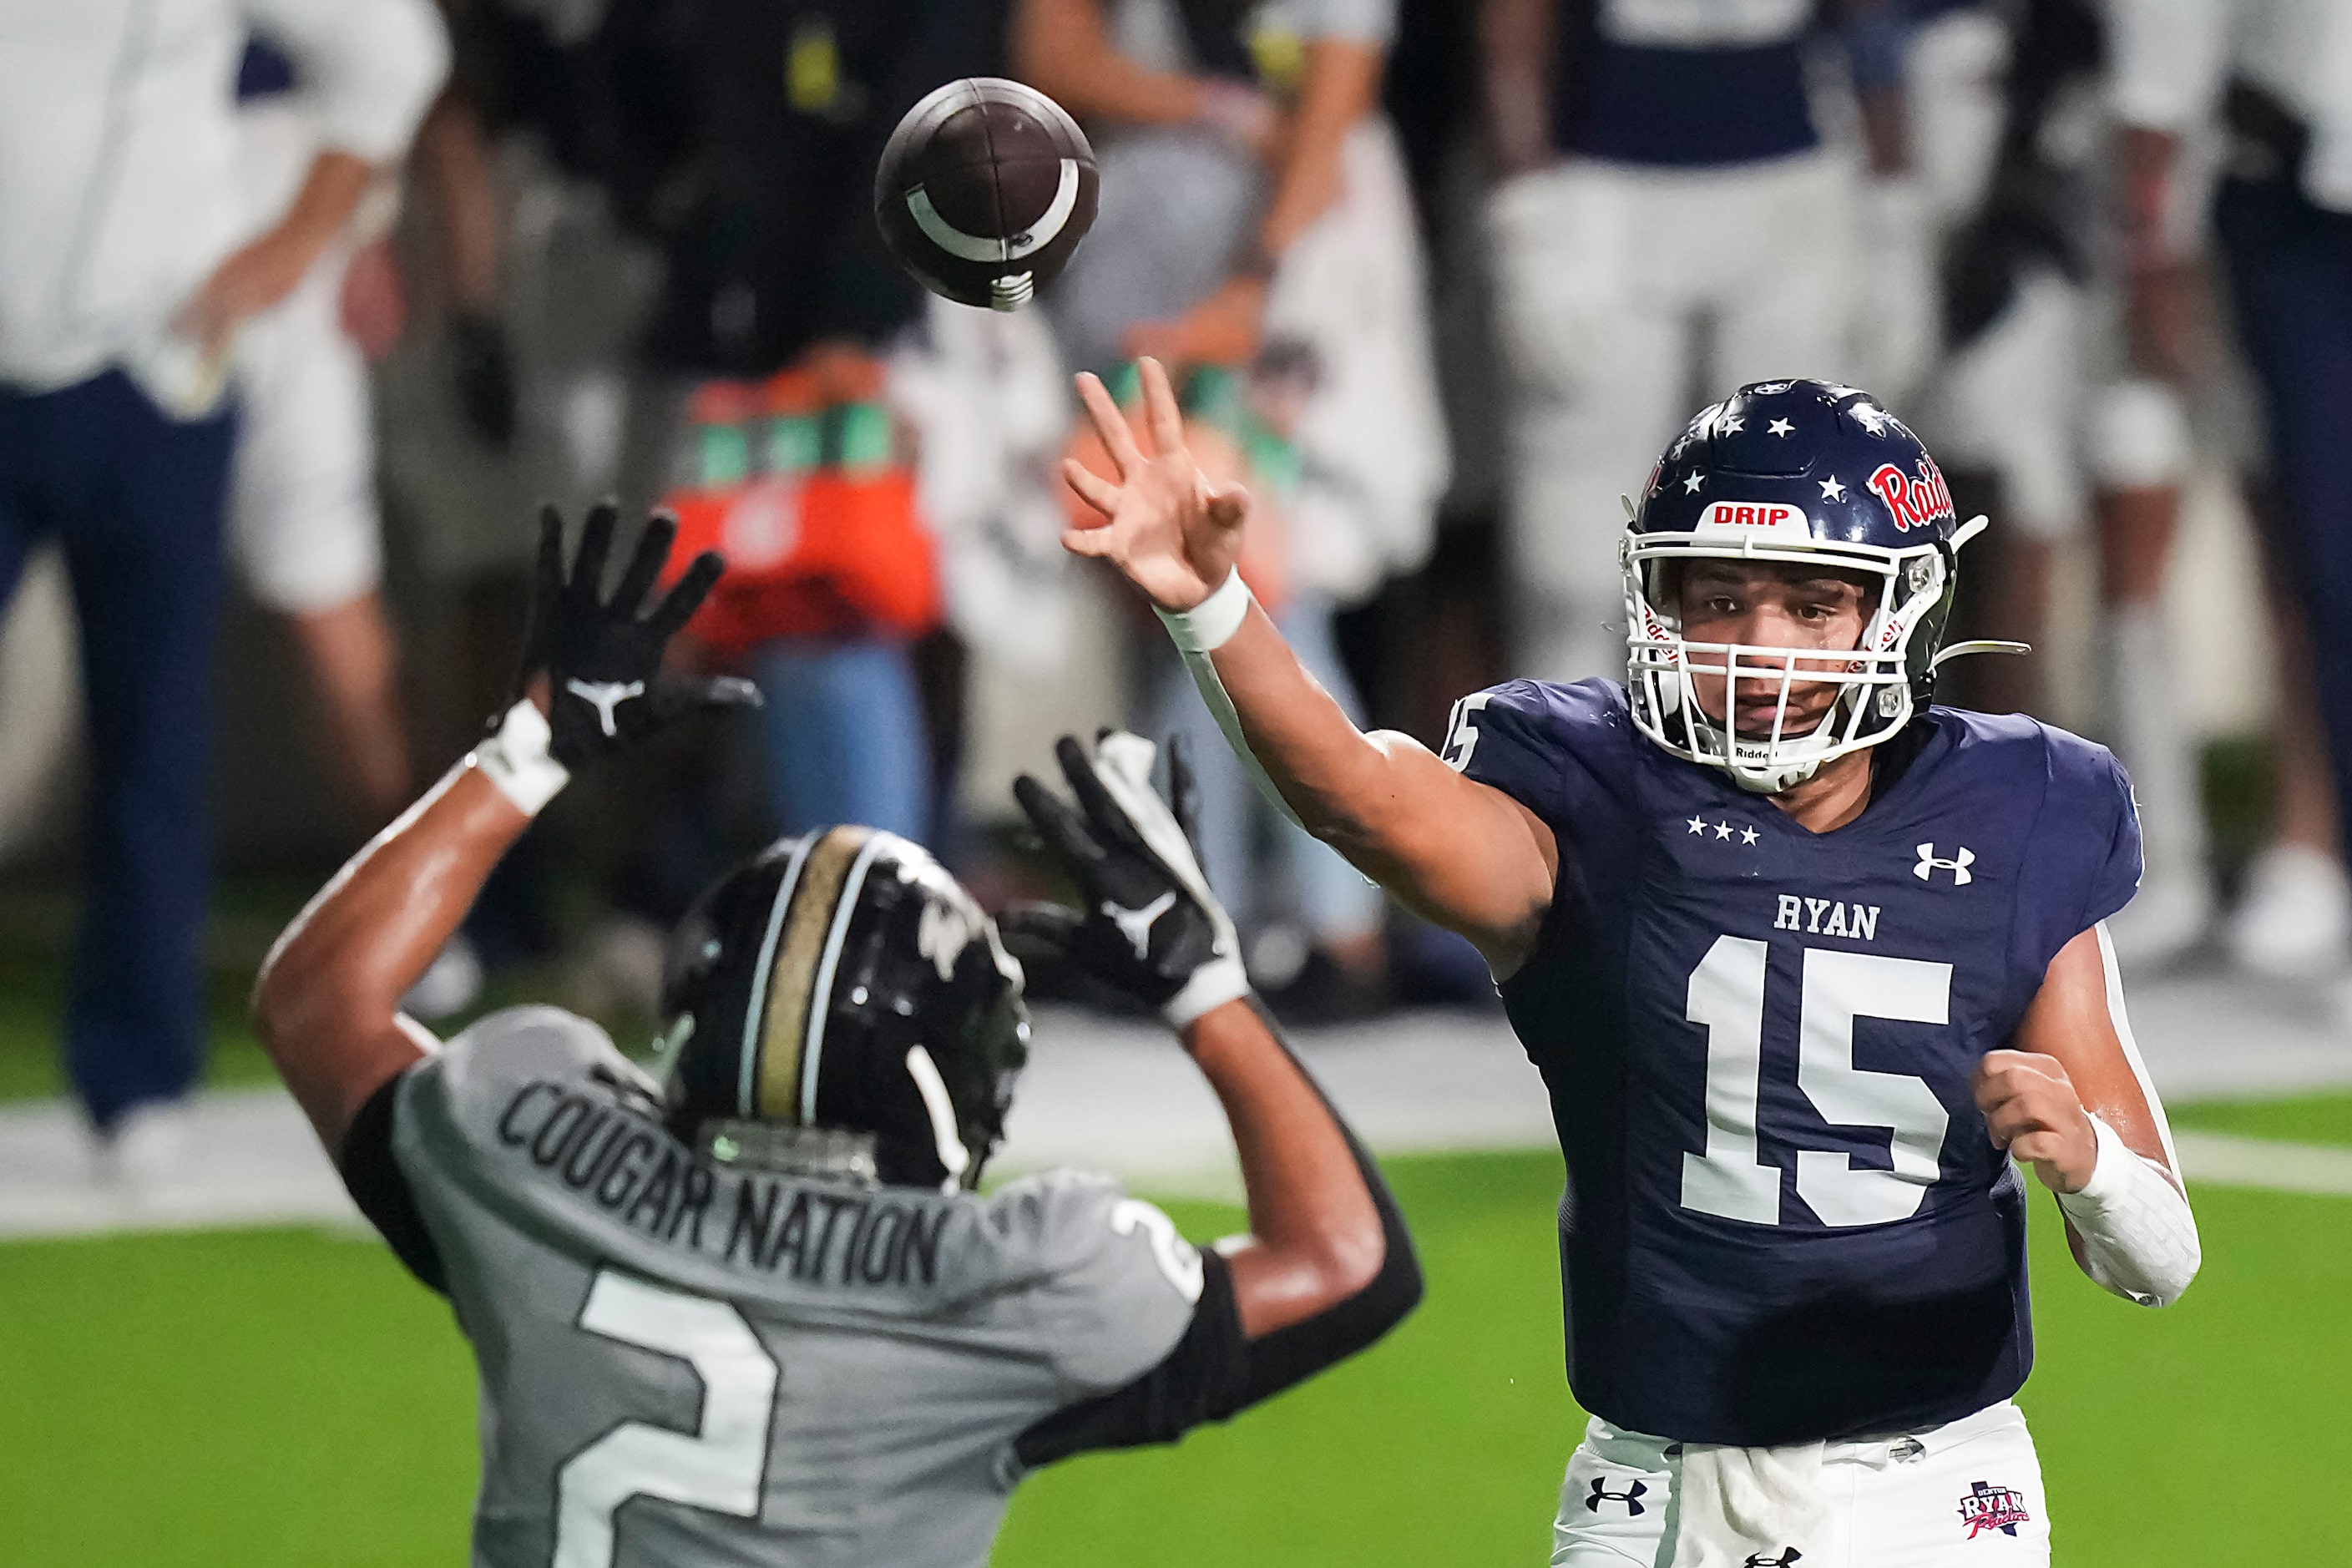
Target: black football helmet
[840, 1006]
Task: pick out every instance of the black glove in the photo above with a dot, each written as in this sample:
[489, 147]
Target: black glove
[1152, 928]
[484, 371]
[607, 688]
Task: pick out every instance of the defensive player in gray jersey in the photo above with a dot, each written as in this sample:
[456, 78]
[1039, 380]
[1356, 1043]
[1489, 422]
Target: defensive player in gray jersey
[752, 1310]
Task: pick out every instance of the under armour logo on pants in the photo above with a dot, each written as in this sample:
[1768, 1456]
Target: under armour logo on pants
[1631, 1497]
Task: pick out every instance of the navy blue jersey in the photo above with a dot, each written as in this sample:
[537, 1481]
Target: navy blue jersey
[1784, 1219]
[1668, 83]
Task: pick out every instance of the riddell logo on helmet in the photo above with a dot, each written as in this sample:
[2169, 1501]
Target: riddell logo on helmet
[1916, 499]
[1754, 517]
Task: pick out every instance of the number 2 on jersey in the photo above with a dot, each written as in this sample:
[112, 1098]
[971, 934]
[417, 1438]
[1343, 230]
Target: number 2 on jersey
[1727, 995]
[718, 1467]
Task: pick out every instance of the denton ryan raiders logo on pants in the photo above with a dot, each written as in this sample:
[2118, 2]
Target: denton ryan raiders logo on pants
[1788, 1557]
[1987, 1507]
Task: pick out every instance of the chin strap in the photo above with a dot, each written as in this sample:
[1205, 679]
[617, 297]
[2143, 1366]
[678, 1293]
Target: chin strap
[1982, 645]
[1754, 781]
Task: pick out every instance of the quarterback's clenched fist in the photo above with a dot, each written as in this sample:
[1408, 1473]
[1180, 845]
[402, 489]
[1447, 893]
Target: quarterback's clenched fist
[601, 660]
[2031, 1110]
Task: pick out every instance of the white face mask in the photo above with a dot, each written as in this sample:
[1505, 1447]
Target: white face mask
[1876, 683]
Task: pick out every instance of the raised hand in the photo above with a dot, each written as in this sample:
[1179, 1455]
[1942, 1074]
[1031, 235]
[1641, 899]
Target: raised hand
[601, 660]
[1149, 927]
[1172, 532]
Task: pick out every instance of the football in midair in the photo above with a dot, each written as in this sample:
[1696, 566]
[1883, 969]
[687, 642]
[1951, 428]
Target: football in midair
[984, 190]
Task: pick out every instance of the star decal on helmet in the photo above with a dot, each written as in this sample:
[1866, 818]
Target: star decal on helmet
[1832, 490]
[1692, 483]
[1870, 418]
[1780, 427]
[1733, 425]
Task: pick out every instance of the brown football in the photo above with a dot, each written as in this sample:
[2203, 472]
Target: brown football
[984, 190]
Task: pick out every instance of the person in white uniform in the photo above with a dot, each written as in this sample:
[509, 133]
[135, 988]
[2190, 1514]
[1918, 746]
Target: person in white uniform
[127, 266]
[1664, 186]
[304, 529]
[2276, 76]
[2064, 385]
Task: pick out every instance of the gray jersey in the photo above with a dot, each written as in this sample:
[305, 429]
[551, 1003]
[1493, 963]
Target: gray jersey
[686, 1364]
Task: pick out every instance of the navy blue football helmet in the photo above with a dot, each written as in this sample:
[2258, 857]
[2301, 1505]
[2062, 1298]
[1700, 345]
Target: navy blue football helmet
[1798, 471]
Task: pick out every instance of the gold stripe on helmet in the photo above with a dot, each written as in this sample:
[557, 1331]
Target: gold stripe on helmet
[791, 981]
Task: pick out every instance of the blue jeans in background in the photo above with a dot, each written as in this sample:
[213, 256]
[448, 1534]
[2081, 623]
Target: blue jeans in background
[2290, 265]
[136, 500]
[841, 732]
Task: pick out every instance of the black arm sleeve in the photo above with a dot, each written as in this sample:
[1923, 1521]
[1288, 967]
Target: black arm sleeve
[376, 1183]
[1215, 1371]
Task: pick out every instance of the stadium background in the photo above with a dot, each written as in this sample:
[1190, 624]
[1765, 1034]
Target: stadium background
[243, 1377]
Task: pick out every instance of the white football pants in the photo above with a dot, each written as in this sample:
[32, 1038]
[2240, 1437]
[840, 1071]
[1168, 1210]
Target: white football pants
[1964, 1494]
[1608, 279]
[303, 530]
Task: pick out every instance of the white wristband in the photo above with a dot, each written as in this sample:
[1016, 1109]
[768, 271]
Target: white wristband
[2139, 1238]
[1211, 624]
[1220, 980]
[516, 759]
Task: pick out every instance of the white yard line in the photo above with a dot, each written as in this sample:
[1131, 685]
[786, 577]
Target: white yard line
[1121, 1097]
[2224, 1160]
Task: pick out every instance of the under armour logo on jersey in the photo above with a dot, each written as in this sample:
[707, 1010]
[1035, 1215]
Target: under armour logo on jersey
[605, 696]
[1136, 924]
[1962, 858]
[1631, 1497]
[1759, 1560]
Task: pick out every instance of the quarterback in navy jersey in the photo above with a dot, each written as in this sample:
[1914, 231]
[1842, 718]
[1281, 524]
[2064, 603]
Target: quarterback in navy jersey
[1805, 961]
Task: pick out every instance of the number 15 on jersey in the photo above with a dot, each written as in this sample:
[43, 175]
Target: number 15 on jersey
[1729, 1178]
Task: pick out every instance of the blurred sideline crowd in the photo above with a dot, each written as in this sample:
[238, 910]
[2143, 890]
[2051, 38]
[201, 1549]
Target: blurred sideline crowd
[305, 305]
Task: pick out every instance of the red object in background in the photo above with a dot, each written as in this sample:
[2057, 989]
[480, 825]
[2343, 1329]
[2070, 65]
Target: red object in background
[796, 483]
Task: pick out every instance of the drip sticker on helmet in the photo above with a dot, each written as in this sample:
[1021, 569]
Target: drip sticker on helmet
[1773, 518]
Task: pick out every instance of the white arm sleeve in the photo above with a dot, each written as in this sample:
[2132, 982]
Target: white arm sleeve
[1199, 632]
[2139, 1238]
[368, 68]
[2139, 1241]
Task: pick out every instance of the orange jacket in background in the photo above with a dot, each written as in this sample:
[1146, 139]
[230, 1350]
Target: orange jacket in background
[800, 483]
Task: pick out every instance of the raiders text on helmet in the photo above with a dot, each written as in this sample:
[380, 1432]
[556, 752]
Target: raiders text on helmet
[841, 1006]
[1792, 471]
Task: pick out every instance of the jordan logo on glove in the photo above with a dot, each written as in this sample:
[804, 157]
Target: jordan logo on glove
[605, 696]
[1136, 924]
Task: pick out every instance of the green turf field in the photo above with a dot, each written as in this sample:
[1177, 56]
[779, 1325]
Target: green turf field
[2303, 1118]
[290, 1398]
